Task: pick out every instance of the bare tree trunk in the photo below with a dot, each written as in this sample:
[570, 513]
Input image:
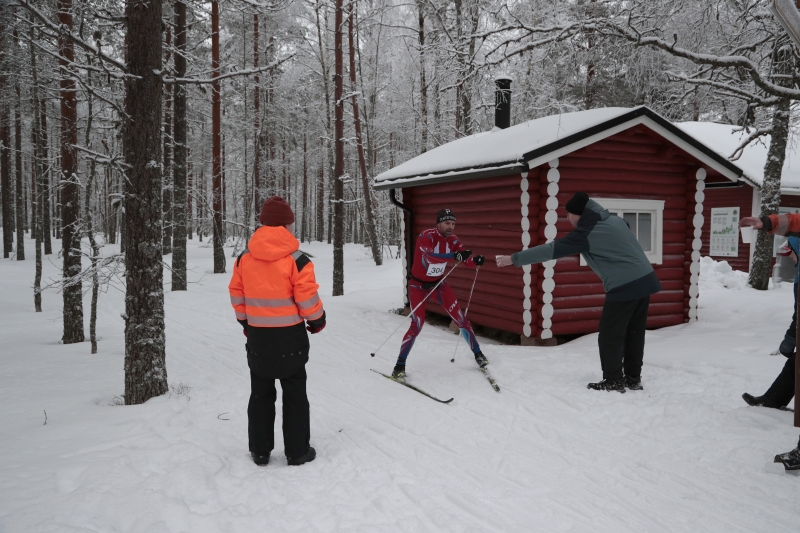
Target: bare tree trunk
[20, 197]
[145, 357]
[5, 140]
[44, 199]
[369, 215]
[36, 174]
[423, 84]
[257, 136]
[216, 137]
[179, 177]
[166, 246]
[70, 187]
[320, 234]
[304, 220]
[783, 63]
[90, 218]
[338, 174]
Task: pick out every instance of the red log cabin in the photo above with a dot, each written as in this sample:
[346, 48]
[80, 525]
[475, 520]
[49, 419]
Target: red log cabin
[745, 198]
[508, 187]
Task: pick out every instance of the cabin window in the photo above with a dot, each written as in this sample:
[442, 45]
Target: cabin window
[646, 220]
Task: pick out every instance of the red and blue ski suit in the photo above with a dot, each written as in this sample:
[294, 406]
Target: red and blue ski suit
[432, 252]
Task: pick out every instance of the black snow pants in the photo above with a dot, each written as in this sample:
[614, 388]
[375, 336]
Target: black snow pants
[621, 339]
[781, 392]
[261, 414]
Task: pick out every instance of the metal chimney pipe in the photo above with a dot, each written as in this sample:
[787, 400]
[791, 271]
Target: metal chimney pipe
[502, 102]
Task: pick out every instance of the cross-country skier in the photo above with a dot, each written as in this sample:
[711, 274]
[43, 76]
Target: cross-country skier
[434, 248]
[611, 249]
[784, 224]
[274, 293]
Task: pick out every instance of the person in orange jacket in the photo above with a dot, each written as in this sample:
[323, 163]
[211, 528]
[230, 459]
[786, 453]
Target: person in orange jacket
[783, 224]
[274, 293]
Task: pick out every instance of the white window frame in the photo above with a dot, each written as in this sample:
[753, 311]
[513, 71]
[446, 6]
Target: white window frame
[618, 206]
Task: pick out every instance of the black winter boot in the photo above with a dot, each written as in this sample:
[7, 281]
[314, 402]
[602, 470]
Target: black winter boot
[633, 383]
[307, 457]
[761, 401]
[790, 460]
[608, 385]
[260, 460]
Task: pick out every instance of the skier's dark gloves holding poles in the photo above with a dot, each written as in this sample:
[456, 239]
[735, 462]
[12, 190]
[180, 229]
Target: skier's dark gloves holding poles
[315, 326]
[479, 260]
[462, 255]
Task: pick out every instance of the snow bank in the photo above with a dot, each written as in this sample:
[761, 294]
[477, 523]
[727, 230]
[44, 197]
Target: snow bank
[720, 275]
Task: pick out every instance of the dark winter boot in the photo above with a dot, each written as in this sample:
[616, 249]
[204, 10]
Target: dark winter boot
[307, 457]
[761, 401]
[790, 460]
[633, 383]
[608, 385]
[260, 460]
[481, 360]
[399, 373]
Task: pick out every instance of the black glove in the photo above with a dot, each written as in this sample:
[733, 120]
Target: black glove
[315, 326]
[479, 260]
[463, 255]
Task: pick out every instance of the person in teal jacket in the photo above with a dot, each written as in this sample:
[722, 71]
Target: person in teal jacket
[612, 251]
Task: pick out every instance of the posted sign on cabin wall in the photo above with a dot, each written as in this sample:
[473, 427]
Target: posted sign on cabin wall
[724, 232]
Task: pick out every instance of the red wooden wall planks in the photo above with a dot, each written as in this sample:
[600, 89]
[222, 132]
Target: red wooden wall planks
[488, 213]
[627, 165]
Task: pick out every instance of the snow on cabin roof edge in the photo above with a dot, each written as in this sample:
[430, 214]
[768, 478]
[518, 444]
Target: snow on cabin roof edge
[496, 153]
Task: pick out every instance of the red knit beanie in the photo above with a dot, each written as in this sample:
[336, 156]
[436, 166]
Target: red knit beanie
[276, 212]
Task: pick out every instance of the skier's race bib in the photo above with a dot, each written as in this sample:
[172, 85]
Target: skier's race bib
[436, 270]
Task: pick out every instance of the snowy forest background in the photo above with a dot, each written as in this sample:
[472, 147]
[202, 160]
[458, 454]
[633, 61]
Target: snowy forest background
[118, 129]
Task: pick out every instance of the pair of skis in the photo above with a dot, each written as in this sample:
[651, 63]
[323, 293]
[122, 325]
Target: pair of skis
[485, 371]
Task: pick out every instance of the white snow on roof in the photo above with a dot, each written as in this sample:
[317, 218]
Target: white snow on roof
[500, 146]
[725, 138]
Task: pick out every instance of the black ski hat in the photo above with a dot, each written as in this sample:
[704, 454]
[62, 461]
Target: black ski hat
[445, 214]
[577, 203]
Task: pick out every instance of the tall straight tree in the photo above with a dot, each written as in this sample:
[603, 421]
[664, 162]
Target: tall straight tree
[338, 172]
[20, 198]
[216, 142]
[70, 187]
[145, 358]
[7, 191]
[166, 178]
[257, 136]
[179, 207]
[369, 214]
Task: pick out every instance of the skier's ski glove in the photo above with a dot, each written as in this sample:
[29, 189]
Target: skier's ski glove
[315, 326]
[462, 255]
[479, 260]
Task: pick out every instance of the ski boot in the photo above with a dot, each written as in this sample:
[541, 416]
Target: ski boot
[481, 360]
[608, 385]
[790, 460]
[633, 383]
[399, 373]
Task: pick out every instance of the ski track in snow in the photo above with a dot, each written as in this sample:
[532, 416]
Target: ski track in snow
[544, 454]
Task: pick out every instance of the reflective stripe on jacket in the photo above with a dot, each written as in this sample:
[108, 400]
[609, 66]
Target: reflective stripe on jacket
[273, 284]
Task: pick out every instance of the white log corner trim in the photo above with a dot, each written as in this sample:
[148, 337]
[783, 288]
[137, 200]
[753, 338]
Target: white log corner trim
[550, 232]
[403, 254]
[526, 241]
[697, 243]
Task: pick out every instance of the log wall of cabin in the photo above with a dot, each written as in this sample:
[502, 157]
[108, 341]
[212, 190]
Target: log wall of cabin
[631, 165]
[488, 223]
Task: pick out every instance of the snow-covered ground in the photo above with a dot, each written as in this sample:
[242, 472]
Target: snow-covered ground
[545, 454]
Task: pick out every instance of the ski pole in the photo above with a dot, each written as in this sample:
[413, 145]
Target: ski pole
[453, 360]
[415, 308]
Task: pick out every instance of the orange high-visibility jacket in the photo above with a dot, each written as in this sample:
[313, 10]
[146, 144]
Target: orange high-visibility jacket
[273, 286]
